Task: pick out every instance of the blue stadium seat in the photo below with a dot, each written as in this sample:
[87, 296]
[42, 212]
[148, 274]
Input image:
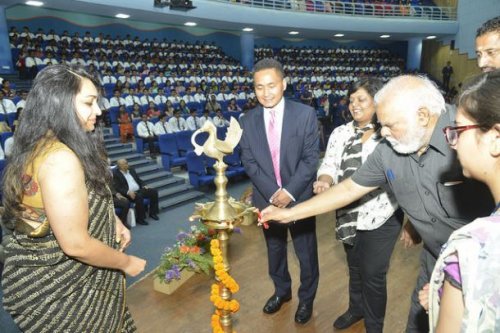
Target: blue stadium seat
[170, 152]
[197, 171]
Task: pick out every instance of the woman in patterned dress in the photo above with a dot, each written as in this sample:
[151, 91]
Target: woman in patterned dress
[368, 227]
[464, 292]
[65, 266]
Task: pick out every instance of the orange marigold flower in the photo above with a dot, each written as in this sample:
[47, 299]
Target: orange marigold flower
[184, 249]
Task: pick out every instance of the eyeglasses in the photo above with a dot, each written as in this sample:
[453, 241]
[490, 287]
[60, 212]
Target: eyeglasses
[451, 133]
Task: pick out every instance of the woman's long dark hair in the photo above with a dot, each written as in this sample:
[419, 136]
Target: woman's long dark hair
[50, 115]
[372, 85]
[480, 98]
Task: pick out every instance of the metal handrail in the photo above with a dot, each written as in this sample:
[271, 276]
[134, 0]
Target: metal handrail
[354, 8]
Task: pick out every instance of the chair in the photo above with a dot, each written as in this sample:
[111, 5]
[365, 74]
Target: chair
[170, 152]
[197, 171]
[4, 136]
[233, 162]
[184, 142]
[139, 142]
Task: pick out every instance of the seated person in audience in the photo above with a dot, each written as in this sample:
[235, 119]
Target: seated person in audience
[219, 120]
[204, 118]
[22, 102]
[162, 126]
[146, 98]
[16, 119]
[117, 99]
[6, 105]
[119, 201]
[174, 98]
[136, 112]
[306, 96]
[125, 123]
[232, 106]
[212, 104]
[145, 130]
[183, 107]
[152, 110]
[192, 122]
[169, 109]
[161, 99]
[177, 123]
[463, 292]
[128, 184]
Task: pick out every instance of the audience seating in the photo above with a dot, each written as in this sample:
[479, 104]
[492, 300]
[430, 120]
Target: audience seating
[170, 151]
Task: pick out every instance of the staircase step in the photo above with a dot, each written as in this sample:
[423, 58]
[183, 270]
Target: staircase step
[117, 145]
[120, 151]
[111, 140]
[133, 156]
[174, 191]
[142, 170]
[139, 162]
[181, 199]
[165, 182]
[153, 177]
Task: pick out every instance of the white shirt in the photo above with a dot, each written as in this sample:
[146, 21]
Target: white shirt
[204, 119]
[8, 144]
[7, 106]
[220, 122]
[375, 207]
[142, 129]
[177, 124]
[192, 123]
[162, 128]
[113, 101]
[132, 184]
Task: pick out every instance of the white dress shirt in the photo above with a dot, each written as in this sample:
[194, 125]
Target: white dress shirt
[145, 129]
[162, 128]
[132, 184]
[177, 124]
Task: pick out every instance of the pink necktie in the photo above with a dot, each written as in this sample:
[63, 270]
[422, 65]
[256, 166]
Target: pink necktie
[273, 140]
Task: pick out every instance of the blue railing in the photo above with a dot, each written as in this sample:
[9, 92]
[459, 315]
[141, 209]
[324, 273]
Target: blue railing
[354, 8]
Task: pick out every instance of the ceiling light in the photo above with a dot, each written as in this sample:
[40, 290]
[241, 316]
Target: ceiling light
[34, 3]
[124, 16]
[339, 35]
[247, 29]
[293, 33]
[190, 24]
[385, 36]
[430, 37]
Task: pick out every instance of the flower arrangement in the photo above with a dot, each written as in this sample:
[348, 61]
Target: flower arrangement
[225, 280]
[191, 251]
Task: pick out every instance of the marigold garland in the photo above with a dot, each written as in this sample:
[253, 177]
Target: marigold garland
[228, 282]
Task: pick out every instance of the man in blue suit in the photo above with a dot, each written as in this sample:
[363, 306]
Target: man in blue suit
[279, 150]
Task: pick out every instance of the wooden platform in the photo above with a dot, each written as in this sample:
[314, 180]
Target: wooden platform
[188, 310]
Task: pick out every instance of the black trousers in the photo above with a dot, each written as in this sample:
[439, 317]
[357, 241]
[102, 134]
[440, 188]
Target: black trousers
[151, 143]
[368, 262]
[418, 320]
[304, 240]
[140, 209]
[124, 206]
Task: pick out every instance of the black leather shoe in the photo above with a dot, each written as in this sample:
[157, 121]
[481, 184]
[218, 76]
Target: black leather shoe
[274, 303]
[346, 320]
[304, 313]
[154, 217]
[142, 222]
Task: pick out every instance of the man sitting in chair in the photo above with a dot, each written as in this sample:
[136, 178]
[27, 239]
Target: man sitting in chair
[127, 183]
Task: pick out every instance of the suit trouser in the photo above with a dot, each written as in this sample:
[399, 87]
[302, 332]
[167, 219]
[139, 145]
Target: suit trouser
[152, 195]
[368, 261]
[124, 206]
[418, 320]
[305, 244]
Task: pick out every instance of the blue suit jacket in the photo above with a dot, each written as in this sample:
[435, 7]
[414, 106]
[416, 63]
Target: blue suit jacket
[299, 151]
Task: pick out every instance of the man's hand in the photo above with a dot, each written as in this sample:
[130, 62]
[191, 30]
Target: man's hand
[410, 236]
[119, 196]
[423, 297]
[131, 194]
[280, 199]
[320, 186]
